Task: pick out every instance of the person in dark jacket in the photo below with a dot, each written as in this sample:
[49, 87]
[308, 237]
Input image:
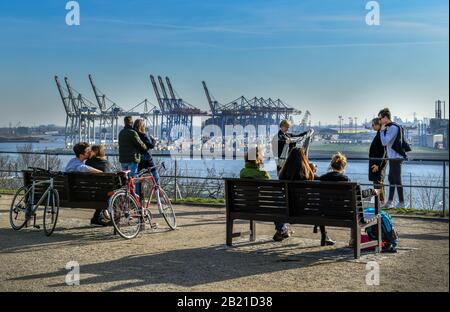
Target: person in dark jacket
[284, 137]
[146, 156]
[98, 159]
[377, 161]
[336, 174]
[130, 147]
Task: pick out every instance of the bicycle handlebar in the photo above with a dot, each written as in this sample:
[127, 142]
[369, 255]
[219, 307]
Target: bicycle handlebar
[147, 170]
[47, 171]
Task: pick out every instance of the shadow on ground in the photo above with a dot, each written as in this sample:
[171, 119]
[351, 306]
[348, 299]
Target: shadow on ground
[197, 266]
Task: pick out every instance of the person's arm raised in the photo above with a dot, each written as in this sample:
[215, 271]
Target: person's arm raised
[388, 135]
[298, 135]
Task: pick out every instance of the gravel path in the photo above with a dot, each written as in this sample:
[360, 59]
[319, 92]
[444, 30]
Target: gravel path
[195, 258]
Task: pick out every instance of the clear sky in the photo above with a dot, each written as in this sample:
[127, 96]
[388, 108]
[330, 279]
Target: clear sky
[318, 55]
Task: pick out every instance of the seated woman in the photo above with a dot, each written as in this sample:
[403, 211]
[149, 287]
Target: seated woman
[336, 173]
[253, 169]
[298, 168]
[98, 159]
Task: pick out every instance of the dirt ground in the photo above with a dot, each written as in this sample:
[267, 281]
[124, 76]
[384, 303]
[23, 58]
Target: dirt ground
[194, 257]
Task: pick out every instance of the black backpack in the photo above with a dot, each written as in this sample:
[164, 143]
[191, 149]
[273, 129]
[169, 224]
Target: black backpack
[401, 146]
[405, 145]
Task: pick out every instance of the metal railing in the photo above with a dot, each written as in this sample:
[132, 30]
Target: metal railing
[177, 177]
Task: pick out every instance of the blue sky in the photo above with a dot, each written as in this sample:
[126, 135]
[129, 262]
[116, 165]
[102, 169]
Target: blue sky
[315, 55]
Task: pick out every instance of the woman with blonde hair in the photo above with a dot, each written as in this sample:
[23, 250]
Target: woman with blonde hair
[338, 165]
[146, 156]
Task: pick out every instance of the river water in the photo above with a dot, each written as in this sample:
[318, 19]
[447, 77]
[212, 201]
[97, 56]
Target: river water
[413, 174]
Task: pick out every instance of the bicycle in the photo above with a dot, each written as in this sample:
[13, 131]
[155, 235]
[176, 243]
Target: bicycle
[23, 207]
[129, 213]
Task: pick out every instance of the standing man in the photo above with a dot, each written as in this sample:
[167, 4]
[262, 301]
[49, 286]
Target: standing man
[130, 147]
[391, 135]
[284, 137]
[377, 161]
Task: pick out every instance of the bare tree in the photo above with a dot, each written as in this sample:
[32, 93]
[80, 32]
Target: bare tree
[427, 197]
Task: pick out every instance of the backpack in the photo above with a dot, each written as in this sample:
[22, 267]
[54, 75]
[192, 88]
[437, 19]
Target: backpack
[388, 233]
[405, 145]
[401, 143]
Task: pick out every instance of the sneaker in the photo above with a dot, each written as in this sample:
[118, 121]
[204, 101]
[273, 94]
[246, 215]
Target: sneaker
[389, 204]
[280, 235]
[400, 205]
[389, 248]
[94, 221]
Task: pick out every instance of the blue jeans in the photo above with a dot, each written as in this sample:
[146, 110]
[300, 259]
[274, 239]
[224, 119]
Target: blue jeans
[280, 227]
[155, 174]
[133, 167]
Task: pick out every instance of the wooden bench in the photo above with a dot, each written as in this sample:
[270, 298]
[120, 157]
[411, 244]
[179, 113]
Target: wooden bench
[299, 202]
[78, 189]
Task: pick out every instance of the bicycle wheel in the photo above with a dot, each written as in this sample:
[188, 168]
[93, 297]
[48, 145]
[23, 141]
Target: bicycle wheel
[51, 212]
[125, 214]
[166, 209]
[21, 206]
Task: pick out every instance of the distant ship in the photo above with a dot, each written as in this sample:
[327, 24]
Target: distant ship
[20, 139]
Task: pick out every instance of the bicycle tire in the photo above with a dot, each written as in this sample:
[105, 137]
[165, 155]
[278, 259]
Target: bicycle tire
[15, 210]
[117, 210]
[167, 211]
[51, 210]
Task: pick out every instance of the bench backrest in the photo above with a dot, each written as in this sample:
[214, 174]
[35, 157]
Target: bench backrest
[256, 196]
[78, 189]
[332, 200]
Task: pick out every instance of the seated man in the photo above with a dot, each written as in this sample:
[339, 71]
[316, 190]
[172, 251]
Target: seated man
[82, 152]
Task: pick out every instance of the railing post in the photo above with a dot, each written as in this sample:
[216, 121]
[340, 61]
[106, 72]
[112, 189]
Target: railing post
[443, 188]
[175, 181]
[46, 161]
[410, 190]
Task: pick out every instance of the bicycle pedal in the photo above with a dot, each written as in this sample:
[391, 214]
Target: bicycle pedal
[154, 226]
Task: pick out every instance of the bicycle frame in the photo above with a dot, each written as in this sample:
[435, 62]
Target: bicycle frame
[33, 186]
[131, 187]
